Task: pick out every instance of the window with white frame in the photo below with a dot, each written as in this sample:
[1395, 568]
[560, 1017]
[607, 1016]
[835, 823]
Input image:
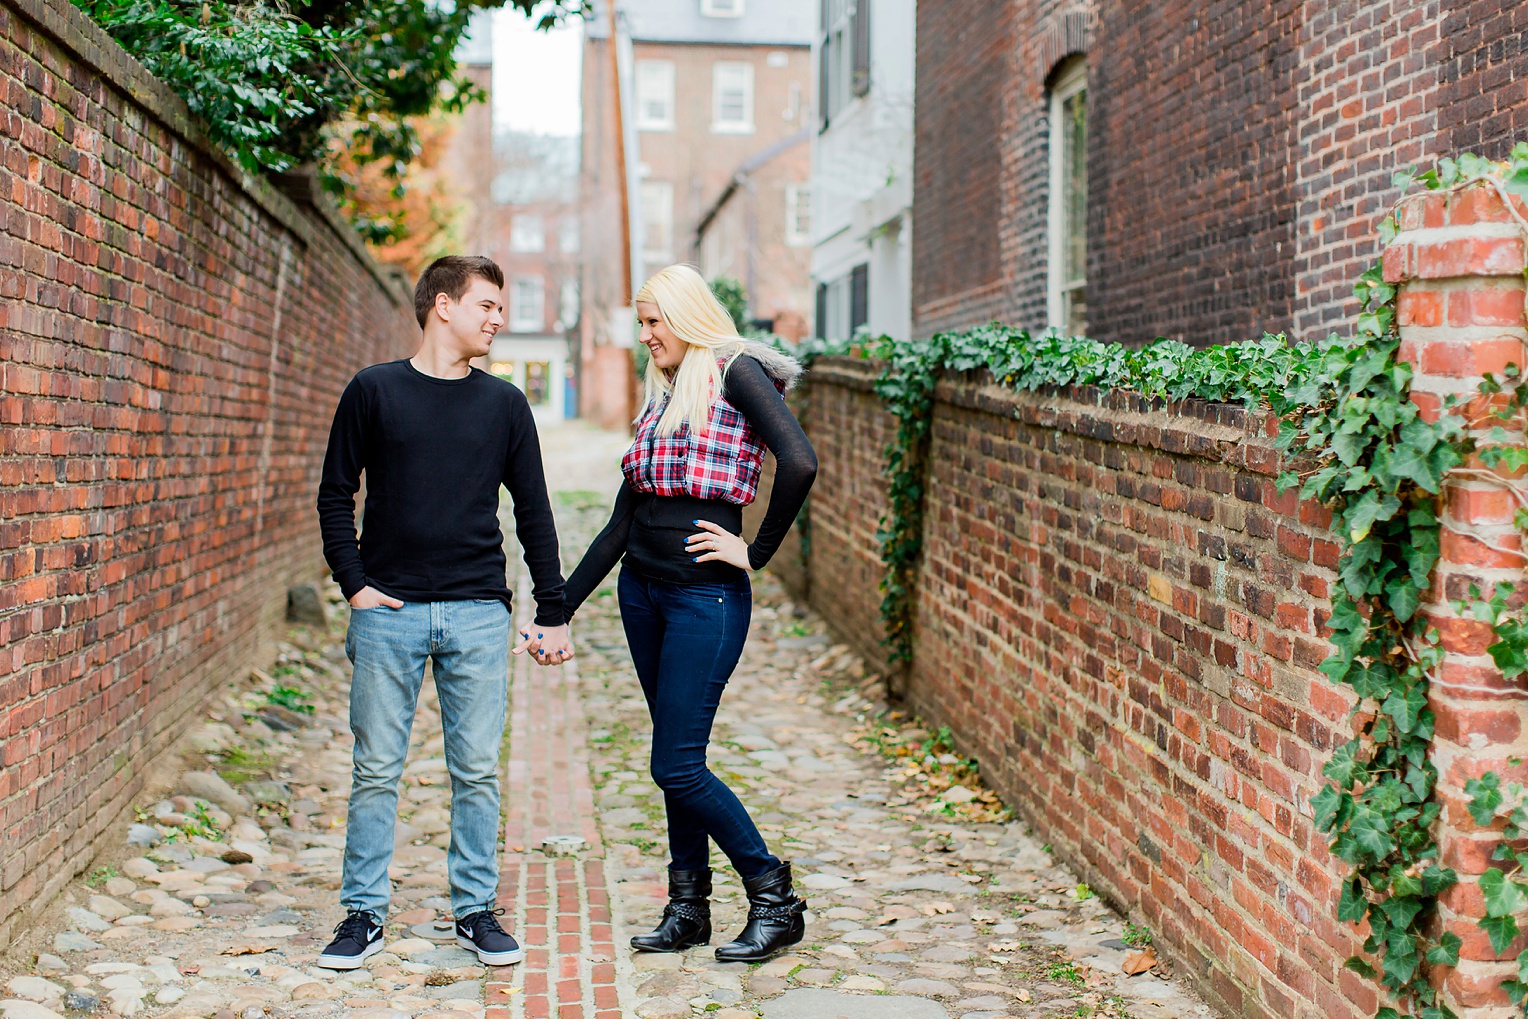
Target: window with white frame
[527, 304]
[657, 221]
[722, 8]
[798, 215]
[732, 97]
[568, 303]
[655, 95]
[567, 236]
[1066, 290]
[527, 233]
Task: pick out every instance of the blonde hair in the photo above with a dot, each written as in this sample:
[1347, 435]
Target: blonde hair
[694, 315]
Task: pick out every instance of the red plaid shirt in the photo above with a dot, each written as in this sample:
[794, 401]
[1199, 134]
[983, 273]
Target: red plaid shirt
[721, 462]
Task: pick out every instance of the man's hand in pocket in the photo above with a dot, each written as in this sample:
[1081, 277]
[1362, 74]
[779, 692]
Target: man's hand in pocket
[370, 598]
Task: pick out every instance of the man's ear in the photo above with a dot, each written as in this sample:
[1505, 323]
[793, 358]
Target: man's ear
[443, 305]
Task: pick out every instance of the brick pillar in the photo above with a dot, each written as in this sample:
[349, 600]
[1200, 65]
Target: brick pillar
[1459, 261]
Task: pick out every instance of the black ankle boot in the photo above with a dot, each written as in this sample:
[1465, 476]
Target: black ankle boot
[687, 917]
[774, 919]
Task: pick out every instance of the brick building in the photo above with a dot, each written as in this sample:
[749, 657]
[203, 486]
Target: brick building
[1223, 165]
[717, 110]
[518, 191]
[536, 241]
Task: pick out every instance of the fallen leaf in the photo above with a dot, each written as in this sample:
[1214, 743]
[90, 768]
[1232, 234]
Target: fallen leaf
[1023, 994]
[248, 949]
[1139, 962]
[1005, 946]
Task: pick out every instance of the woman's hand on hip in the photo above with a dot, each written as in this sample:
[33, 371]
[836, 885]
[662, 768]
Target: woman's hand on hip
[717, 543]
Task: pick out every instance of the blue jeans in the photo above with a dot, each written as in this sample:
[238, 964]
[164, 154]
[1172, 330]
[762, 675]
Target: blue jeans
[468, 641]
[685, 640]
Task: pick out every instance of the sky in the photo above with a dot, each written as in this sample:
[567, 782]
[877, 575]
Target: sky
[535, 75]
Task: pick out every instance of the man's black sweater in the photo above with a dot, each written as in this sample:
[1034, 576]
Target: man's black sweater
[435, 452]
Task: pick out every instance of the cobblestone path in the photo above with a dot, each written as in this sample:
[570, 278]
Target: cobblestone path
[919, 909]
[926, 901]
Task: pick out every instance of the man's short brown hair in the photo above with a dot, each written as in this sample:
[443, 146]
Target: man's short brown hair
[452, 275]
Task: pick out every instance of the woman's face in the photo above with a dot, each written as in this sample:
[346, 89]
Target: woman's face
[667, 349]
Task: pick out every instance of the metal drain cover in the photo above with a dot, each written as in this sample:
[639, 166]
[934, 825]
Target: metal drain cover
[562, 845]
[440, 929]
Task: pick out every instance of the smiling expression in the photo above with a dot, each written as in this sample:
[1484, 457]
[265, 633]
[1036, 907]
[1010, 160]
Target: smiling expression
[476, 317]
[667, 349]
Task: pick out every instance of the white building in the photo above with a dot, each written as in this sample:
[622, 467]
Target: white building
[862, 165]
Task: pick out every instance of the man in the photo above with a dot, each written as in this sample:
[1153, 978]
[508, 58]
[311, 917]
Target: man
[435, 438]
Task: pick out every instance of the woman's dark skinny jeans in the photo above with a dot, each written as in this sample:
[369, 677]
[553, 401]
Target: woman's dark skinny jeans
[685, 640]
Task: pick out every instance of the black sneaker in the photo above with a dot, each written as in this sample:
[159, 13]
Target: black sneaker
[356, 938]
[480, 932]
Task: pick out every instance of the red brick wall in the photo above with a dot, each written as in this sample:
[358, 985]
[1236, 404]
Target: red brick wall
[1369, 105]
[1118, 616]
[1239, 154]
[830, 557]
[173, 343]
[1189, 100]
[1484, 101]
[964, 58]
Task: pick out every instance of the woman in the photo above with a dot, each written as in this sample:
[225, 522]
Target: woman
[714, 403]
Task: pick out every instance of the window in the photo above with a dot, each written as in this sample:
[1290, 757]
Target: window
[722, 8]
[526, 233]
[732, 97]
[526, 305]
[567, 236]
[843, 55]
[655, 95]
[657, 220]
[798, 215]
[843, 305]
[1068, 212]
[538, 383]
[859, 297]
[567, 307]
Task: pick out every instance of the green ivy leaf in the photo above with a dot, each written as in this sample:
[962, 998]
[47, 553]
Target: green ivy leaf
[1485, 798]
[1345, 769]
[1352, 906]
[1503, 897]
[1446, 951]
[1406, 706]
[1502, 930]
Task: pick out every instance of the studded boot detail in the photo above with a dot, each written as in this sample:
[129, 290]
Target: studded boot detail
[775, 920]
[687, 917]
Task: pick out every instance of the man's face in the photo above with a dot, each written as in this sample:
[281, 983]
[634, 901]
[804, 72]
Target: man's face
[474, 319]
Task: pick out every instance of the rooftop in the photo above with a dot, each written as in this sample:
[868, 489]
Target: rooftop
[762, 23]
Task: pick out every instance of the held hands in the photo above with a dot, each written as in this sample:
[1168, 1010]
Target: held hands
[370, 598]
[718, 543]
[548, 645]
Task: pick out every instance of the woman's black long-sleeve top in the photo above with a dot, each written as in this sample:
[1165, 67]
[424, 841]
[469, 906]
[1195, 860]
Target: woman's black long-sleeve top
[651, 529]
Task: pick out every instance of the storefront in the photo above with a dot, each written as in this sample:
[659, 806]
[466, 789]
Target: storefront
[539, 366]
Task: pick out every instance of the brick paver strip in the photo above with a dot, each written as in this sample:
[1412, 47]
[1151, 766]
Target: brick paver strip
[559, 907]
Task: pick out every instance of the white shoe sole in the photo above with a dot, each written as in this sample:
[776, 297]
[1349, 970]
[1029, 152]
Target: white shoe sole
[350, 961]
[492, 958]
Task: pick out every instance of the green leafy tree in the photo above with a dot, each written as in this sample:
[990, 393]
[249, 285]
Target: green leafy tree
[279, 86]
[734, 298]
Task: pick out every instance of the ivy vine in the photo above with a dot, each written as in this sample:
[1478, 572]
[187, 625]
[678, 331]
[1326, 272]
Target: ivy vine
[1356, 444]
